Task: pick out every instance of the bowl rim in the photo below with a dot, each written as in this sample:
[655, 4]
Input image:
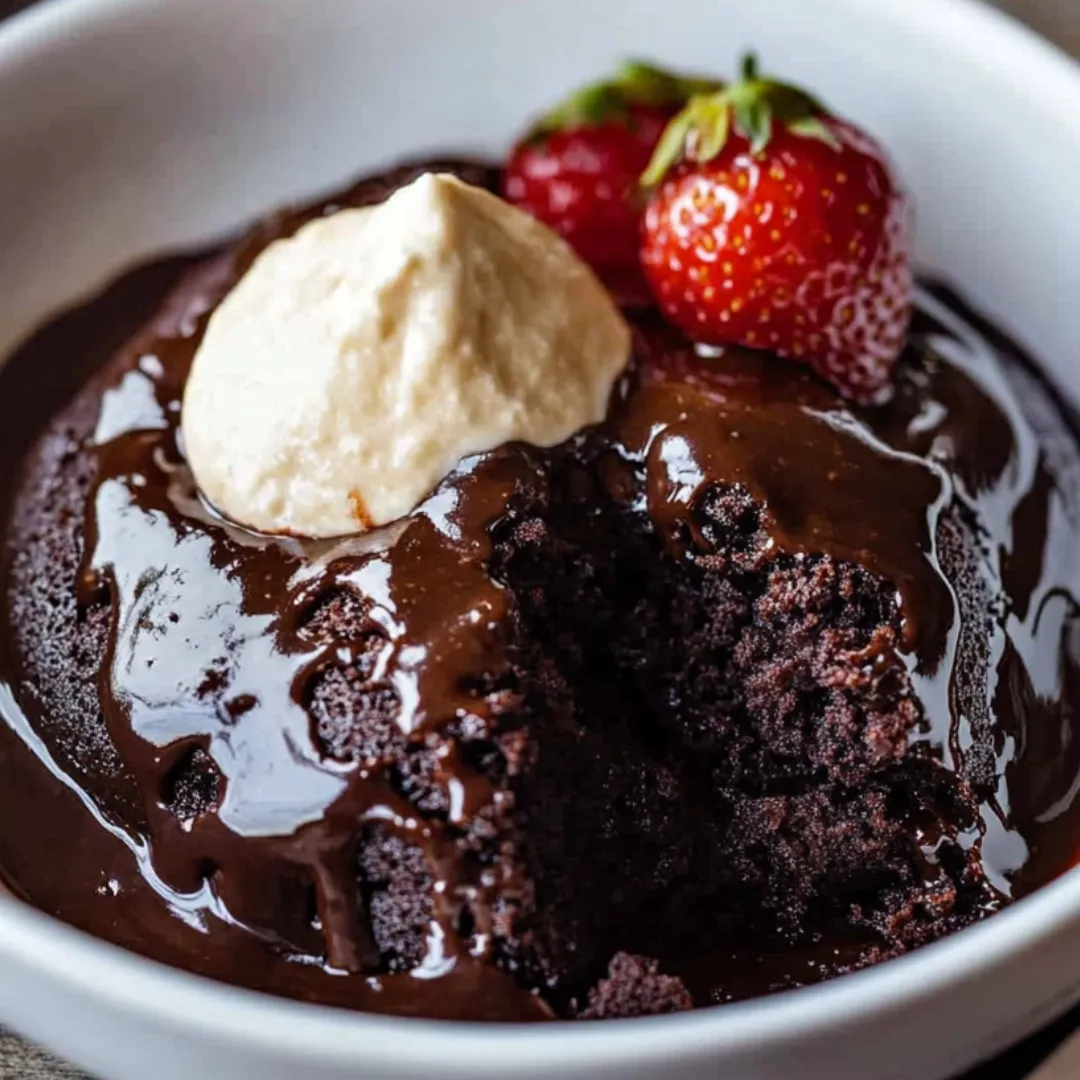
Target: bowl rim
[294, 1031]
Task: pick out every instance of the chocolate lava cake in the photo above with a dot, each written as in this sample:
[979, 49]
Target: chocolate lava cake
[742, 689]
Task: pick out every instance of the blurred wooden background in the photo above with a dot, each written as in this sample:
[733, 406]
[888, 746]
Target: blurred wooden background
[1058, 19]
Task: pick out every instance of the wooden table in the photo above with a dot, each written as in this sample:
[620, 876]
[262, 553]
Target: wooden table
[1059, 19]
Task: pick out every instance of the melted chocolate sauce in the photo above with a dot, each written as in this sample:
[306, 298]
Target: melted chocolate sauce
[210, 646]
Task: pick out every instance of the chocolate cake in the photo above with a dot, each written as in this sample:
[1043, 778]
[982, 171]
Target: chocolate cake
[742, 689]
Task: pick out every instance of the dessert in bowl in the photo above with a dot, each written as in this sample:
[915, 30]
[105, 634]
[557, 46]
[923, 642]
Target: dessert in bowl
[727, 684]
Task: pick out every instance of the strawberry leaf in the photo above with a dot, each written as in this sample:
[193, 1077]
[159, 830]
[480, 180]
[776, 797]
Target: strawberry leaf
[753, 105]
[754, 118]
[790, 102]
[594, 104]
[670, 148]
[813, 127]
[712, 127]
[636, 82]
[643, 83]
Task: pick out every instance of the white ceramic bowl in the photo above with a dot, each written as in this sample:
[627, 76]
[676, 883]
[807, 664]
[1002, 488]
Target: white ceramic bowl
[129, 126]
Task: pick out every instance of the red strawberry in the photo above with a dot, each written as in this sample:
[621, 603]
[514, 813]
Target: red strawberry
[577, 170]
[777, 226]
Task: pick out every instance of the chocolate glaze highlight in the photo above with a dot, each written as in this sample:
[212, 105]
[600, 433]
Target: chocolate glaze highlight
[220, 831]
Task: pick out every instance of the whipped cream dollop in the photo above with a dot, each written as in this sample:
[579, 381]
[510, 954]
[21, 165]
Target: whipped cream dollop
[358, 361]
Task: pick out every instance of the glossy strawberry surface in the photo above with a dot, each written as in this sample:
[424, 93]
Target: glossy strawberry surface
[795, 239]
[583, 182]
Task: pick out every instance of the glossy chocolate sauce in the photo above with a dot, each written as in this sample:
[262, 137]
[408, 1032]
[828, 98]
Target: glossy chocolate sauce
[211, 646]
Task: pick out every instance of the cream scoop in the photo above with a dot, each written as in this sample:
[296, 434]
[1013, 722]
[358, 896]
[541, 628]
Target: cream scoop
[358, 361]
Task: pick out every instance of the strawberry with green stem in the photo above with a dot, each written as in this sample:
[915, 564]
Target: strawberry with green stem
[577, 169]
[775, 225]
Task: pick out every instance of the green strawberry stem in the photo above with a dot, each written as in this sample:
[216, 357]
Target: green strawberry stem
[635, 82]
[752, 106]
